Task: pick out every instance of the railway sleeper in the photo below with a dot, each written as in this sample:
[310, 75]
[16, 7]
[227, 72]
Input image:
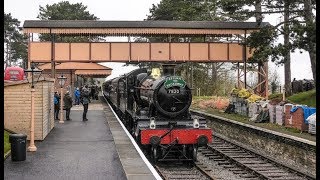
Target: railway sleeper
[179, 176]
[221, 144]
[276, 174]
[270, 171]
[214, 157]
[260, 165]
[221, 147]
[218, 145]
[240, 172]
[235, 169]
[288, 178]
[227, 152]
[243, 156]
[248, 176]
[223, 160]
[235, 153]
[226, 147]
[251, 162]
[266, 170]
[227, 166]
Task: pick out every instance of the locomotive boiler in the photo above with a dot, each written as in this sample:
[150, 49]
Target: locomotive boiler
[155, 109]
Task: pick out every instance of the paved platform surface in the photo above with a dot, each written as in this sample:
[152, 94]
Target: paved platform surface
[73, 150]
[133, 164]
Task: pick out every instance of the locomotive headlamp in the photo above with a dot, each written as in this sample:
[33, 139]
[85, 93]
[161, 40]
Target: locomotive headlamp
[155, 73]
[152, 123]
[195, 123]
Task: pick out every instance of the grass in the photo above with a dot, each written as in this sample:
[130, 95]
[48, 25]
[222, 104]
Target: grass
[307, 98]
[6, 142]
[275, 96]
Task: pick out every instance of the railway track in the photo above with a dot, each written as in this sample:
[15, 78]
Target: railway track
[247, 164]
[242, 162]
[182, 171]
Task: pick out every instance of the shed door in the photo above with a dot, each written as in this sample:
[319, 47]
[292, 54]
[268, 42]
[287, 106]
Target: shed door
[50, 107]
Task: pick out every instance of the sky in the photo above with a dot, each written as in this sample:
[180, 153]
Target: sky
[136, 10]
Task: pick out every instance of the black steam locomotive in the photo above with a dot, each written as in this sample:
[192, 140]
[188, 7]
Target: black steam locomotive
[155, 110]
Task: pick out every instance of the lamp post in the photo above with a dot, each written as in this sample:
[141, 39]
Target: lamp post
[32, 70]
[62, 80]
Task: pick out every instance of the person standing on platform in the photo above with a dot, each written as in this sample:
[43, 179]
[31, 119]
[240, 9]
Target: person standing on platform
[85, 95]
[56, 101]
[77, 96]
[93, 92]
[67, 99]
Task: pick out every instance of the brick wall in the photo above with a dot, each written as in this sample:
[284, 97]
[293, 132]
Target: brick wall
[295, 119]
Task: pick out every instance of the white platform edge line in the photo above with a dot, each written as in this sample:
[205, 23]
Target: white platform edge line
[154, 172]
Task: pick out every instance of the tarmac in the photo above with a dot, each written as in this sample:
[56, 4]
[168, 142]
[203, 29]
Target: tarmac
[76, 150]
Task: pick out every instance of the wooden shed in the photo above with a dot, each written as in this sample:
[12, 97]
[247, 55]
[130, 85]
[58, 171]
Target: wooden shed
[17, 107]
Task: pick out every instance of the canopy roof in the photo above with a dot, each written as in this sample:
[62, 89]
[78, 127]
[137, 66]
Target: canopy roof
[75, 66]
[137, 27]
[141, 24]
[95, 73]
[82, 69]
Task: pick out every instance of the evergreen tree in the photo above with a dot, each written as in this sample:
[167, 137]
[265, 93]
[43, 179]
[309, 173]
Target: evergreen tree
[66, 11]
[15, 43]
[298, 29]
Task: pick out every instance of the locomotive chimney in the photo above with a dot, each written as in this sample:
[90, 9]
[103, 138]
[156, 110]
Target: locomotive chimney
[168, 69]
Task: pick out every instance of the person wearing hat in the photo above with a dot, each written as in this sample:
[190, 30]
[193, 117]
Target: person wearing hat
[85, 101]
[67, 105]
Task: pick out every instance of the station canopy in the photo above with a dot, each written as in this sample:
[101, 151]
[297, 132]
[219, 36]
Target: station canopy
[82, 69]
[128, 28]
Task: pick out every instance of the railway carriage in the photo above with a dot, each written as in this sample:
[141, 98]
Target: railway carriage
[155, 110]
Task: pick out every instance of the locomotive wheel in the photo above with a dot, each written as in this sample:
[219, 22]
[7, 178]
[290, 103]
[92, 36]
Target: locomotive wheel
[194, 153]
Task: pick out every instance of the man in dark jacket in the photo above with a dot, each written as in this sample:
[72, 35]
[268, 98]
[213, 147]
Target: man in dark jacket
[67, 104]
[85, 101]
[56, 101]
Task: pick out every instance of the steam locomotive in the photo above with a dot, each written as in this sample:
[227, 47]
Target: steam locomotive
[155, 110]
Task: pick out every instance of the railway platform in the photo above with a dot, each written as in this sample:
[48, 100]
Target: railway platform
[93, 149]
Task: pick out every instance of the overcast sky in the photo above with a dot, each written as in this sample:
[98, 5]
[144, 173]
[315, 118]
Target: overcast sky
[138, 10]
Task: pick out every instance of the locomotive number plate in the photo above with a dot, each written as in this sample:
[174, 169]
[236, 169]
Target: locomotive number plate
[173, 91]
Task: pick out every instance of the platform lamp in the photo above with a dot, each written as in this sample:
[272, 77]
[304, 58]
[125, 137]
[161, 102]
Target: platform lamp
[34, 71]
[62, 80]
